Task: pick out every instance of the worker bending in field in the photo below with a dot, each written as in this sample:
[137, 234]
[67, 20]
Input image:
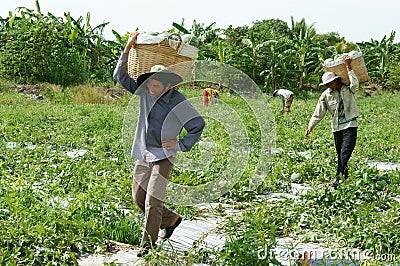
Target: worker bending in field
[287, 99]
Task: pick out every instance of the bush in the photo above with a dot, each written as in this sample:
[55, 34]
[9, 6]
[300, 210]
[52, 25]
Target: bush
[37, 48]
[393, 80]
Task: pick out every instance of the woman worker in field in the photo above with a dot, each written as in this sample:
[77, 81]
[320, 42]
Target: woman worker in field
[339, 100]
[163, 113]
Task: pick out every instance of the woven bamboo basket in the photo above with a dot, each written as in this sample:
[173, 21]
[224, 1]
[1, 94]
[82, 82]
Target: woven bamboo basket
[168, 52]
[357, 64]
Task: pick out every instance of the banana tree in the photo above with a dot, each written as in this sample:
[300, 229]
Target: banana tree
[205, 38]
[304, 50]
[279, 66]
[253, 54]
[377, 56]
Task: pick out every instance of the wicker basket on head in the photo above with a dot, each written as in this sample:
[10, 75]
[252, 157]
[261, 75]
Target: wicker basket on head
[168, 52]
[357, 64]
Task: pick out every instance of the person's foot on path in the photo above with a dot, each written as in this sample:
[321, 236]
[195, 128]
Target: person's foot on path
[336, 183]
[170, 229]
[144, 250]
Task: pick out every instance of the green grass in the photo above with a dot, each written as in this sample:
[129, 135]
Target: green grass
[53, 207]
[57, 205]
[362, 212]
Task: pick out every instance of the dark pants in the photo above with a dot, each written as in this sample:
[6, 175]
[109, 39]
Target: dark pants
[345, 141]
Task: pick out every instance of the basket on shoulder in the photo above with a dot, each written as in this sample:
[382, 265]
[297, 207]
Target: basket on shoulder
[168, 51]
[357, 64]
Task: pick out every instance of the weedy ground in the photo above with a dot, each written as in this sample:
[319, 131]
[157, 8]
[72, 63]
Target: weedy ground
[54, 207]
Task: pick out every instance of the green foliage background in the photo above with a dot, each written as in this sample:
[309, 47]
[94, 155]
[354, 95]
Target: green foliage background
[37, 47]
[54, 208]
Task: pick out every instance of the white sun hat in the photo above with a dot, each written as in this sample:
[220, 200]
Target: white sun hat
[328, 77]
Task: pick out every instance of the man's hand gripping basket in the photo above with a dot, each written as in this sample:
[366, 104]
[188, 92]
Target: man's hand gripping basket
[357, 64]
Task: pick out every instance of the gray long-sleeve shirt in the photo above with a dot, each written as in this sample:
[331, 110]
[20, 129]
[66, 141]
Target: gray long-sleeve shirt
[160, 118]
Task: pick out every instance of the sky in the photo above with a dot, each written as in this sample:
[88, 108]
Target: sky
[356, 21]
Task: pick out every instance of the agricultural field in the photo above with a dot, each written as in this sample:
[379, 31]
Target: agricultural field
[65, 183]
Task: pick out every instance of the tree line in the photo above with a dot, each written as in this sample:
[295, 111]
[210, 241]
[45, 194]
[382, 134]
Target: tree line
[37, 47]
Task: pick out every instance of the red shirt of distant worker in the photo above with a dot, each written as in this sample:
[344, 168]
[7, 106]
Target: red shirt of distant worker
[205, 98]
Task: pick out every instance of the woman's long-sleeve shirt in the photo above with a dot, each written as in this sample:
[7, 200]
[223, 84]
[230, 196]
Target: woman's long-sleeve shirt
[341, 105]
